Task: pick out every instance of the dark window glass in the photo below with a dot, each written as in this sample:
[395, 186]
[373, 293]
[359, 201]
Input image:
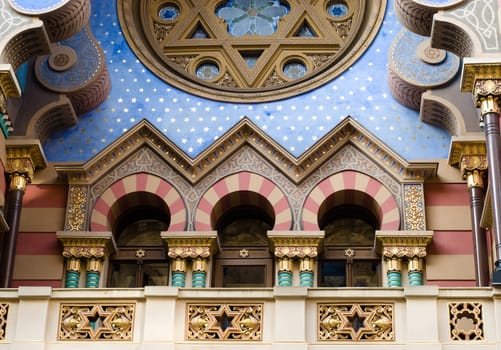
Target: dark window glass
[243, 276]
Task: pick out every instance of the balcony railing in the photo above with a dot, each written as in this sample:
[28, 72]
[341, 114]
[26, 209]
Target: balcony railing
[424, 317]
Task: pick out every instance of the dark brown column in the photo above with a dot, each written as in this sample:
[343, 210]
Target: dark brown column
[23, 157]
[487, 93]
[473, 168]
[14, 203]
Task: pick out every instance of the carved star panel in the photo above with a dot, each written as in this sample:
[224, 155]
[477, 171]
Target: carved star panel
[224, 322]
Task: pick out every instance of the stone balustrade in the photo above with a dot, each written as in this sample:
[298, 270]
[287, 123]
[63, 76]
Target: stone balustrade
[292, 318]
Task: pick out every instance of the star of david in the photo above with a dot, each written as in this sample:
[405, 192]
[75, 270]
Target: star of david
[354, 321]
[224, 321]
[96, 321]
[235, 49]
[327, 41]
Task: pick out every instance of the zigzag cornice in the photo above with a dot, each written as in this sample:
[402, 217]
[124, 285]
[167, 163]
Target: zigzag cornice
[246, 133]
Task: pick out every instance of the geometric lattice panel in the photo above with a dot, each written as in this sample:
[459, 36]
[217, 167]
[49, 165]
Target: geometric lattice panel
[355, 322]
[4, 312]
[224, 322]
[96, 322]
[465, 321]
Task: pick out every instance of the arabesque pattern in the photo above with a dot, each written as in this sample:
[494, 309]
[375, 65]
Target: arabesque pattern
[96, 322]
[355, 322]
[224, 322]
[4, 312]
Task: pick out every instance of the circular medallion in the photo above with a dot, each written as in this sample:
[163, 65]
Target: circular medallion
[249, 50]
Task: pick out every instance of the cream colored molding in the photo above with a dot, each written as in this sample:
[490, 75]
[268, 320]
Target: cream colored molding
[86, 244]
[247, 133]
[190, 244]
[296, 244]
[403, 243]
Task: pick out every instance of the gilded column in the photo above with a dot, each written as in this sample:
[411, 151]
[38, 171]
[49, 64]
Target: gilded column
[482, 77]
[284, 272]
[487, 93]
[469, 155]
[306, 271]
[415, 268]
[94, 266]
[90, 247]
[22, 160]
[178, 268]
[394, 271]
[296, 245]
[197, 247]
[199, 273]
[73, 267]
[473, 170]
[395, 246]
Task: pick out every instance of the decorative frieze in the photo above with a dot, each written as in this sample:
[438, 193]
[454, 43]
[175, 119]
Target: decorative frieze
[224, 322]
[94, 322]
[408, 244]
[190, 245]
[296, 244]
[87, 245]
[76, 208]
[414, 214]
[465, 321]
[4, 313]
[355, 322]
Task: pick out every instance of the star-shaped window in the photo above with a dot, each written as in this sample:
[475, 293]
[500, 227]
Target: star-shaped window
[249, 50]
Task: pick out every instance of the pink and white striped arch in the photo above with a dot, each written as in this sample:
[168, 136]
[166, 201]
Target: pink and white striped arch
[349, 183]
[103, 215]
[244, 182]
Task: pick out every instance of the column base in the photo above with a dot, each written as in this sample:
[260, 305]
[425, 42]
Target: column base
[496, 278]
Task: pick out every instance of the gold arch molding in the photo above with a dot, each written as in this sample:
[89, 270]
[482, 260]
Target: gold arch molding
[194, 48]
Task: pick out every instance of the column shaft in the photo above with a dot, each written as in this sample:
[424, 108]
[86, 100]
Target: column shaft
[14, 203]
[479, 236]
[493, 145]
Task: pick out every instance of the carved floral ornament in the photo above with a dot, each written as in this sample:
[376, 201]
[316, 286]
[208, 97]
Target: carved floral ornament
[296, 244]
[96, 322]
[86, 244]
[224, 322]
[190, 245]
[401, 244]
[355, 322]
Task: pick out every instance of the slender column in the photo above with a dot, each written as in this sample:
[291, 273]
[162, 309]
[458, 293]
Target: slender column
[178, 267]
[22, 160]
[487, 94]
[92, 247]
[394, 271]
[299, 246]
[473, 170]
[197, 247]
[199, 273]
[14, 203]
[415, 271]
[306, 272]
[398, 245]
[284, 272]
[72, 273]
[94, 267]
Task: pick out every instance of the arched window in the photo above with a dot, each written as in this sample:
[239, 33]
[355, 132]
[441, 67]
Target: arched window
[140, 259]
[349, 259]
[244, 259]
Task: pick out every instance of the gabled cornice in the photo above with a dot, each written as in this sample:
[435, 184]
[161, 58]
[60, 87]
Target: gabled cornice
[245, 133]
